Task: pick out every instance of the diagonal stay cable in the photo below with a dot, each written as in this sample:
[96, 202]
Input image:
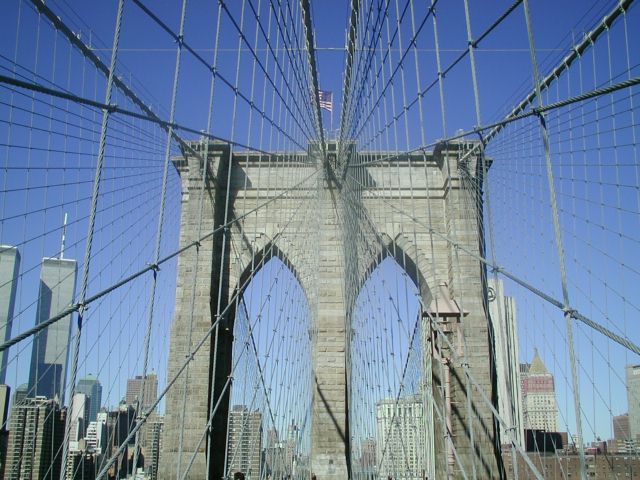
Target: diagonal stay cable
[151, 267]
[529, 113]
[261, 66]
[625, 342]
[310, 44]
[442, 74]
[212, 69]
[100, 65]
[113, 108]
[189, 357]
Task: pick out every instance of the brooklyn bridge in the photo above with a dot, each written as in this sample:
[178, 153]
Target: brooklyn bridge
[273, 239]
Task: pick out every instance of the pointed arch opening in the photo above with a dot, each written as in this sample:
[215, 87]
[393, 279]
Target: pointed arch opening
[391, 397]
[270, 399]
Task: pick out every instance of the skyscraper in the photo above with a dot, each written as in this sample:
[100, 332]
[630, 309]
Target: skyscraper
[20, 394]
[9, 269]
[245, 441]
[79, 413]
[4, 427]
[503, 317]
[633, 397]
[368, 456]
[540, 409]
[51, 346]
[400, 440]
[91, 387]
[96, 436]
[152, 458]
[37, 432]
[5, 392]
[134, 388]
[621, 427]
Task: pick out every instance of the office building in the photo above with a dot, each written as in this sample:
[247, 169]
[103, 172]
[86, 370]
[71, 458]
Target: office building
[5, 392]
[120, 422]
[134, 389]
[79, 413]
[622, 443]
[540, 408]
[81, 466]
[621, 427]
[400, 440]
[96, 436]
[35, 441]
[50, 352]
[633, 398]
[273, 454]
[152, 458]
[368, 456]
[245, 441]
[91, 387]
[20, 394]
[4, 445]
[9, 270]
[505, 328]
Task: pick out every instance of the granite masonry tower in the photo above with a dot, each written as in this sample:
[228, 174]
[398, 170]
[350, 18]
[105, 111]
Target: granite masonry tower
[437, 178]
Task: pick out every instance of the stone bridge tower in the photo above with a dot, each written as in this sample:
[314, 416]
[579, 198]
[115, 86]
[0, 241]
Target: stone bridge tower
[434, 177]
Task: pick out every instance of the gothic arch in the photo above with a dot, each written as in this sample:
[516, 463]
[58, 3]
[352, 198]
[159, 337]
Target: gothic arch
[410, 259]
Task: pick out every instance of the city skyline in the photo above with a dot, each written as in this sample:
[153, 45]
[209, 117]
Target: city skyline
[53, 264]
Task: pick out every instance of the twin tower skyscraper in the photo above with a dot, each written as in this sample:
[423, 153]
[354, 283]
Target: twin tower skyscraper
[49, 357]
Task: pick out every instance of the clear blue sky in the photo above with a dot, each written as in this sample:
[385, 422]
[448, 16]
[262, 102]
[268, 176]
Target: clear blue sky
[601, 264]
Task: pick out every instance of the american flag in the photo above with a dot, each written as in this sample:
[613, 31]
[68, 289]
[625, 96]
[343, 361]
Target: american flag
[326, 100]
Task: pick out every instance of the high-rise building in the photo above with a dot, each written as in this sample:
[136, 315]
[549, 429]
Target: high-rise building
[20, 394]
[9, 270]
[96, 436]
[91, 387]
[621, 427]
[5, 392]
[50, 352]
[273, 455]
[622, 442]
[400, 441]
[35, 441]
[368, 456]
[540, 408]
[633, 398]
[119, 424]
[503, 317]
[79, 413]
[4, 445]
[245, 441]
[291, 450]
[152, 458]
[81, 466]
[134, 388]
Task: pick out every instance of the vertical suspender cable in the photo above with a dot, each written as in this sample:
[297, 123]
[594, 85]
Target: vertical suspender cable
[559, 245]
[152, 294]
[309, 39]
[92, 220]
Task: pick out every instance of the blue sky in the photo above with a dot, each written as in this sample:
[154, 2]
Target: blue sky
[600, 236]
